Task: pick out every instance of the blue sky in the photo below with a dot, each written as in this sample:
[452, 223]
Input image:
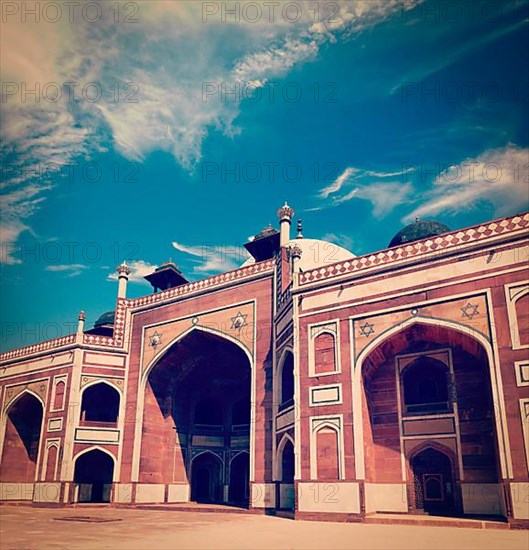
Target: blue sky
[362, 121]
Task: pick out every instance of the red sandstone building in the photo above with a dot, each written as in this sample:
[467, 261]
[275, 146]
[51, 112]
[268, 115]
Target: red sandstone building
[340, 386]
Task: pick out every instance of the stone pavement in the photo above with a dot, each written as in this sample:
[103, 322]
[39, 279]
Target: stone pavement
[115, 528]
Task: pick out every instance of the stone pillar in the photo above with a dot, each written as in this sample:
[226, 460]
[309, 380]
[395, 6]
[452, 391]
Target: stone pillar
[123, 277]
[285, 215]
[80, 326]
[295, 256]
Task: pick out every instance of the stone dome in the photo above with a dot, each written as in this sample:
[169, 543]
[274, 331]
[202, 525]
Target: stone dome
[419, 229]
[107, 319]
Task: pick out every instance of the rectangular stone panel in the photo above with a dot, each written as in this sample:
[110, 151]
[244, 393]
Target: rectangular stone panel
[482, 498]
[329, 497]
[54, 424]
[178, 493]
[428, 426]
[325, 395]
[150, 492]
[16, 491]
[96, 435]
[386, 497]
[285, 419]
[47, 492]
[208, 440]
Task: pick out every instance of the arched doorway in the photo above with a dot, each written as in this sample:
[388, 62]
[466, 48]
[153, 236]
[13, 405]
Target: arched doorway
[433, 482]
[240, 479]
[197, 408]
[22, 439]
[93, 475]
[206, 478]
[286, 465]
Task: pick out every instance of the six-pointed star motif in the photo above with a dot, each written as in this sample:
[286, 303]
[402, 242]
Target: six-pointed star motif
[156, 339]
[367, 329]
[470, 310]
[238, 321]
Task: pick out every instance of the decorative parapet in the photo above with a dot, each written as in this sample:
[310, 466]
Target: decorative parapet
[56, 343]
[203, 284]
[425, 248]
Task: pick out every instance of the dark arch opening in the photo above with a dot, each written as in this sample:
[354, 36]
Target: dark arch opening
[100, 403]
[240, 479]
[206, 478]
[241, 415]
[93, 473]
[433, 482]
[287, 463]
[287, 381]
[208, 412]
[425, 384]
[197, 396]
[22, 439]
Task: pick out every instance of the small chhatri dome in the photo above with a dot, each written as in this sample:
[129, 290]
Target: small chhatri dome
[285, 212]
[266, 232]
[419, 229]
[105, 320]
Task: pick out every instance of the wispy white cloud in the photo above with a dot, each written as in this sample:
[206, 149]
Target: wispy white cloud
[338, 183]
[497, 177]
[168, 56]
[138, 270]
[71, 270]
[355, 183]
[214, 258]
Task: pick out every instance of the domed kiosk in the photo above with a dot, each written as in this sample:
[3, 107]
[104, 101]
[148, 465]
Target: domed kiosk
[419, 229]
[104, 326]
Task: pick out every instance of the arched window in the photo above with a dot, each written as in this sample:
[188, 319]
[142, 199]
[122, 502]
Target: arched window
[522, 316]
[100, 403]
[425, 385]
[58, 401]
[208, 412]
[286, 393]
[324, 353]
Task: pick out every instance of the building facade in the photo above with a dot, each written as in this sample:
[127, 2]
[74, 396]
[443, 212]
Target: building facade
[308, 379]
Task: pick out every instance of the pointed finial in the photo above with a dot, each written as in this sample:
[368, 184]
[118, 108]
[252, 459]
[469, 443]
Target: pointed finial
[123, 269]
[300, 230]
[285, 213]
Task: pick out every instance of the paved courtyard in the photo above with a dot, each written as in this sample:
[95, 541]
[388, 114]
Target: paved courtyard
[42, 528]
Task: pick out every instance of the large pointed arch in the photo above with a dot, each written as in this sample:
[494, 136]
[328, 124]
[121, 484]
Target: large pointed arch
[495, 378]
[29, 444]
[29, 391]
[172, 382]
[198, 328]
